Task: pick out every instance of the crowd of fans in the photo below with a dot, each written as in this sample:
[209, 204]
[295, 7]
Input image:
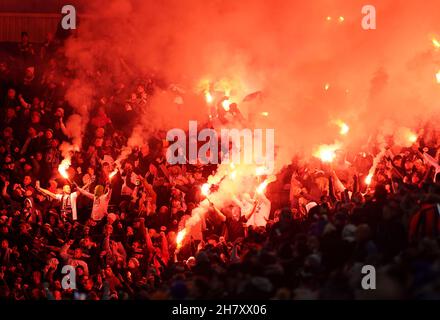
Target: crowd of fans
[120, 234]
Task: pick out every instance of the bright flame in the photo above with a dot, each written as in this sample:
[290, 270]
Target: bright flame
[233, 175]
[344, 128]
[208, 97]
[179, 238]
[436, 43]
[262, 187]
[206, 187]
[225, 104]
[368, 179]
[328, 18]
[265, 114]
[327, 153]
[341, 19]
[113, 173]
[327, 86]
[437, 76]
[412, 137]
[62, 168]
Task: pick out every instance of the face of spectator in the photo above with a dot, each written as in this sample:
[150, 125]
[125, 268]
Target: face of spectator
[175, 203]
[10, 113]
[79, 271]
[236, 213]
[397, 162]
[32, 132]
[66, 189]
[163, 210]
[59, 113]
[54, 143]
[7, 133]
[99, 133]
[27, 180]
[408, 165]
[57, 295]
[77, 253]
[11, 93]
[48, 134]
[24, 38]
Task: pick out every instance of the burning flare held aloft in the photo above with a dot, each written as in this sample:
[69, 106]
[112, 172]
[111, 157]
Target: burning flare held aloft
[112, 174]
[180, 237]
[327, 152]
[343, 127]
[368, 179]
[208, 97]
[206, 188]
[261, 188]
[62, 168]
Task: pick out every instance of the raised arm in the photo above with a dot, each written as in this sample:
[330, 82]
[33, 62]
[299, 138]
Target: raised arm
[218, 212]
[85, 192]
[164, 249]
[45, 191]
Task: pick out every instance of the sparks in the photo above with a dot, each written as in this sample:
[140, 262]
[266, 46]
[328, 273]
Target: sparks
[62, 168]
[179, 238]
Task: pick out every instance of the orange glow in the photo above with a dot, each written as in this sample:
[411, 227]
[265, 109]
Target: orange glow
[62, 168]
[436, 43]
[437, 76]
[265, 114]
[327, 86]
[341, 19]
